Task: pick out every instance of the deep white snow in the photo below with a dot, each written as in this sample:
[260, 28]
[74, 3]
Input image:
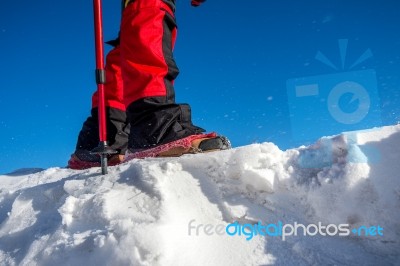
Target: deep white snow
[168, 211]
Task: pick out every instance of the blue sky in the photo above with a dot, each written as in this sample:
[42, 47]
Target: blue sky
[242, 69]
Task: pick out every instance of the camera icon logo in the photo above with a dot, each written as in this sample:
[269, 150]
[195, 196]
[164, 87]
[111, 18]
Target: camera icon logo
[358, 93]
[334, 103]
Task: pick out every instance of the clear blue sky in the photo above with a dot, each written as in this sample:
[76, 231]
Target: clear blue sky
[244, 68]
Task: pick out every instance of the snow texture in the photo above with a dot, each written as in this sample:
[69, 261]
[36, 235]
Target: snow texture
[141, 212]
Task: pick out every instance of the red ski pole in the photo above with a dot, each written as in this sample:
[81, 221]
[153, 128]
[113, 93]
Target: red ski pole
[103, 150]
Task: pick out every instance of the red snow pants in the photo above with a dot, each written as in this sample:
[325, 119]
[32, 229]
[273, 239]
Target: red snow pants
[139, 91]
[142, 65]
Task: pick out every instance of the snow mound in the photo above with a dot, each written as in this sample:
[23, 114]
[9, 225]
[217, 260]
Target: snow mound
[185, 211]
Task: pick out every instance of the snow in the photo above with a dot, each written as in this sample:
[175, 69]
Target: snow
[174, 211]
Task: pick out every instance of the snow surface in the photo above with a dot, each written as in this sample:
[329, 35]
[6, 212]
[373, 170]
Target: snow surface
[140, 213]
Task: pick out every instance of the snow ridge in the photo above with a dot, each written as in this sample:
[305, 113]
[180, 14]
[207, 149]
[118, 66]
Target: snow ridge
[142, 212]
